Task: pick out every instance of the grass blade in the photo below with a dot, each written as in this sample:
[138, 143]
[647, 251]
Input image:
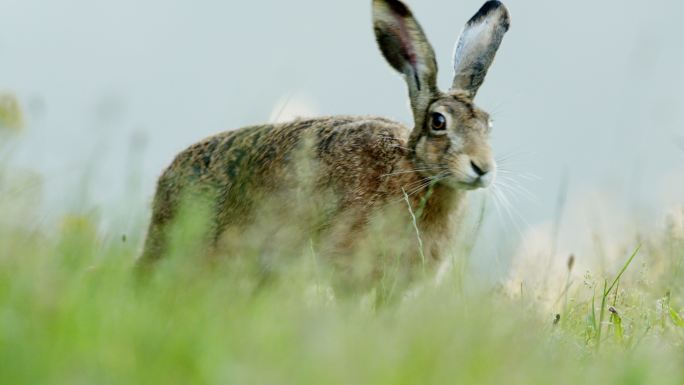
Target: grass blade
[622, 271]
[676, 318]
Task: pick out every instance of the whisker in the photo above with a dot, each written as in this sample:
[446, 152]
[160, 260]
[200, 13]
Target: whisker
[515, 187]
[505, 204]
[495, 198]
[418, 182]
[526, 176]
[426, 183]
[420, 187]
[510, 179]
[431, 181]
[513, 214]
[410, 191]
[513, 155]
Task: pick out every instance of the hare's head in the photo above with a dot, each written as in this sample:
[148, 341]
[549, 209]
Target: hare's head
[450, 139]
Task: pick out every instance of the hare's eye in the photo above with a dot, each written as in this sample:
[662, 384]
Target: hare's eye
[438, 122]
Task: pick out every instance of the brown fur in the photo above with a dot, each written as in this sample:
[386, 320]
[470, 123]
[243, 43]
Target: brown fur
[367, 164]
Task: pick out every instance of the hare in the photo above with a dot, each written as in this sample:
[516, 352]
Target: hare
[368, 163]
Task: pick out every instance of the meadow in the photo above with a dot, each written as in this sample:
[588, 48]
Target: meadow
[73, 311]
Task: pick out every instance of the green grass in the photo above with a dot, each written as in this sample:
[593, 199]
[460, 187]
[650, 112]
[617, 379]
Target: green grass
[11, 117]
[73, 312]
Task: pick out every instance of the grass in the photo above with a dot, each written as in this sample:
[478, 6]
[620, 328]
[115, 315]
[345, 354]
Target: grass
[11, 117]
[72, 312]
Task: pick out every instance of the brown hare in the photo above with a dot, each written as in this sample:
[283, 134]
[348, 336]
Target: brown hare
[368, 163]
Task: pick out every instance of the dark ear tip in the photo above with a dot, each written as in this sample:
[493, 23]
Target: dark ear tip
[397, 6]
[488, 9]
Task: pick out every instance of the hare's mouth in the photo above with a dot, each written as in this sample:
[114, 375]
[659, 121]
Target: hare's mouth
[479, 184]
[468, 183]
[471, 185]
[471, 178]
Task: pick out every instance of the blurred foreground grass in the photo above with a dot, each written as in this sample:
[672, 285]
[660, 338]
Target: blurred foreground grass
[71, 312]
[11, 117]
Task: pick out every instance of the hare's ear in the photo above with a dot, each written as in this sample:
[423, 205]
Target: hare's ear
[404, 45]
[477, 46]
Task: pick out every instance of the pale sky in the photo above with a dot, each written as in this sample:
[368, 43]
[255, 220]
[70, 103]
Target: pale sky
[587, 89]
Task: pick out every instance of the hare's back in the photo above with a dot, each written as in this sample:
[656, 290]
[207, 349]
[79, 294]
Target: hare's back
[241, 163]
[266, 146]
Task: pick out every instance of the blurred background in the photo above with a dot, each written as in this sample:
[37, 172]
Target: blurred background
[585, 97]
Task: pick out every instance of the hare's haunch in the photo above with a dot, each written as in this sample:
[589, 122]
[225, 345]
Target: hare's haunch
[367, 163]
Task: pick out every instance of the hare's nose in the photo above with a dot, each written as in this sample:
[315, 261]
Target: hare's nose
[480, 171]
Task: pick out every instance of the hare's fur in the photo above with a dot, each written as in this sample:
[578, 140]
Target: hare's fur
[363, 166]
[364, 160]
